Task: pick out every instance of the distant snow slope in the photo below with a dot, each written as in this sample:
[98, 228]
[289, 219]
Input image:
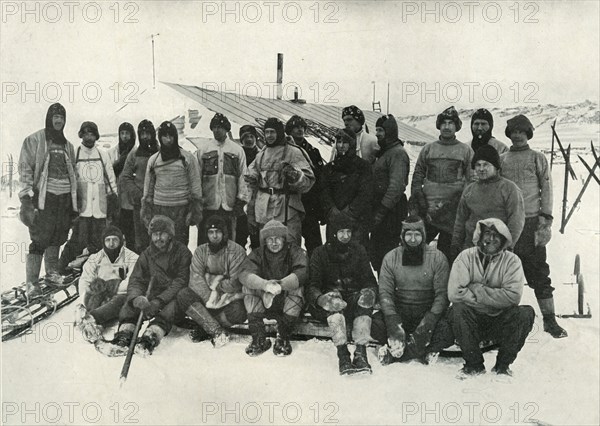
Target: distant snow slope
[576, 123]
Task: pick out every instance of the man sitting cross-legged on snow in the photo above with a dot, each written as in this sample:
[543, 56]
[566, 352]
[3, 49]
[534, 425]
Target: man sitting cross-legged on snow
[273, 277]
[485, 287]
[214, 298]
[103, 284]
[343, 288]
[413, 295]
[166, 265]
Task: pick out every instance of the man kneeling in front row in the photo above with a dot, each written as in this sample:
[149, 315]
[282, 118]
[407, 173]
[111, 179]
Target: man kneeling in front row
[485, 287]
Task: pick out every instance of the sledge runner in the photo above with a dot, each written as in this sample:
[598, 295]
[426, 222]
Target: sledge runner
[348, 187]
[248, 138]
[413, 295]
[48, 194]
[273, 277]
[342, 290]
[485, 288]
[390, 176]
[166, 262]
[529, 170]
[172, 186]
[119, 155]
[442, 171]
[311, 229]
[103, 284]
[366, 144]
[96, 194]
[482, 124]
[133, 176]
[491, 195]
[222, 166]
[277, 178]
[214, 297]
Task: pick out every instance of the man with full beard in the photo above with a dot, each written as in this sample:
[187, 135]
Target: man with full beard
[482, 123]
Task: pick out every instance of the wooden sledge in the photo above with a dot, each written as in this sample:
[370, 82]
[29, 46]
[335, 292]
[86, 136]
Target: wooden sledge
[308, 328]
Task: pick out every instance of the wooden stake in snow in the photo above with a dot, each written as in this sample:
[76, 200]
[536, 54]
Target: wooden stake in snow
[138, 325]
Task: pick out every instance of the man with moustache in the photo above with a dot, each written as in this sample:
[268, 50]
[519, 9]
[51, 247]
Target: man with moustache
[441, 173]
[482, 123]
[48, 194]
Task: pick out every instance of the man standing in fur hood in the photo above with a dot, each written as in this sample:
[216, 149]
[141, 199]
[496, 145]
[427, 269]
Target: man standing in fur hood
[214, 298]
[348, 187]
[277, 178]
[119, 155]
[485, 288]
[133, 176]
[390, 176]
[274, 276]
[48, 195]
[173, 187]
[165, 264]
[222, 165]
[366, 144]
[529, 170]
[342, 290]
[442, 171]
[413, 297]
[482, 123]
[311, 230]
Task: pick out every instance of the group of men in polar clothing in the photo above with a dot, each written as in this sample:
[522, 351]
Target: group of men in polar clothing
[169, 189]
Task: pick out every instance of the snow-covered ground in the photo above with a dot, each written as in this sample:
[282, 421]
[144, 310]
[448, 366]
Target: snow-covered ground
[53, 377]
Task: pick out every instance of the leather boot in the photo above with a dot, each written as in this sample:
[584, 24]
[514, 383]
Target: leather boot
[550, 324]
[33, 265]
[360, 362]
[51, 260]
[260, 343]
[344, 362]
[282, 346]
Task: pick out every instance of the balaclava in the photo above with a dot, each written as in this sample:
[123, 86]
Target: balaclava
[479, 141]
[56, 136]
[274, 123]
[146, 149]
[112, 230]
[172, 152]
[413, 256]
[216, 222]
